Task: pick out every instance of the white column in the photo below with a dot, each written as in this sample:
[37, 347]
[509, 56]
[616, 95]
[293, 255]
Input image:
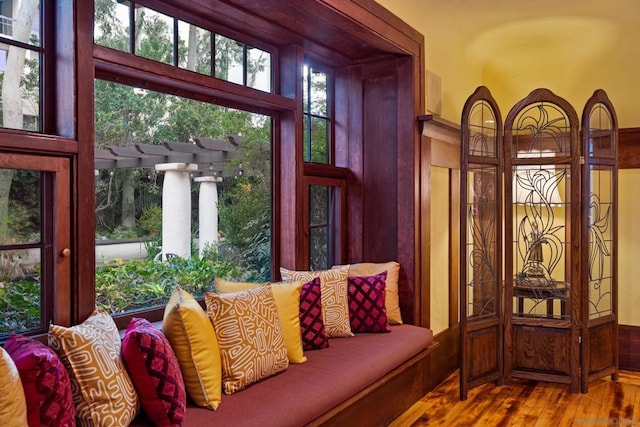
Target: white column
[176, 209]
[208, 214]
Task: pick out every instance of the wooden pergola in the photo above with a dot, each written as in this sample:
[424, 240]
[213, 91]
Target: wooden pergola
[212, 156]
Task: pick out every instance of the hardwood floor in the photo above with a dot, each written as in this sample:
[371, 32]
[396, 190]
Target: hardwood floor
[529, 404]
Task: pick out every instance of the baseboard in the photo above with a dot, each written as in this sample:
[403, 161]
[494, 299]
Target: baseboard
[629, 347]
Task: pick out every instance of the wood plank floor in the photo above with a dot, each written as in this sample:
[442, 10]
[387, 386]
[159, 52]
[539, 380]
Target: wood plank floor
[529, 404]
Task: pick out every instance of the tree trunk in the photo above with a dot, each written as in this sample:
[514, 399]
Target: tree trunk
[192, 54]
[128, 218]
[12, 114]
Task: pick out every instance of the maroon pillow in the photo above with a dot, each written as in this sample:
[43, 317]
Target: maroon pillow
[155, 373]
[366, 296]
[45, 381]
[311, 324]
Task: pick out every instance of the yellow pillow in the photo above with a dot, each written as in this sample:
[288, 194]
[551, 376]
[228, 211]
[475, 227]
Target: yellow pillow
[249, 335]
[188, 329]
[102, 390]
[287, 297]
[392, 299]
[13, 405]
[224, 286]
[333, 293]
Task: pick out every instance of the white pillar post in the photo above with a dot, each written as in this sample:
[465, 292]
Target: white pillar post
[208, 213]
[176, 209]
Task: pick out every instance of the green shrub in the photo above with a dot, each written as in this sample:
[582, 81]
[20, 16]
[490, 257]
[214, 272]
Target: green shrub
[136, 284]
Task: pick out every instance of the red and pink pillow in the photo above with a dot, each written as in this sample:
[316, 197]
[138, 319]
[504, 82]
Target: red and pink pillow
[155, 373]
[45, 381]
[312, 329]
[366, 296]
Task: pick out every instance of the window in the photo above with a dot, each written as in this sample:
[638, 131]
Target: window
[21, 59]
[228, 188]
[326, 183]
[317, 123]
[31, 254]
[324, 224]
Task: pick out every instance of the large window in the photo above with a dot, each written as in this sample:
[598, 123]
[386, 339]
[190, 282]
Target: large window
[228, 187]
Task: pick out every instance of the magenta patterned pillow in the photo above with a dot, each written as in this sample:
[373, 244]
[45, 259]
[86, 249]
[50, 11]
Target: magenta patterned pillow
[312, 330]
[366, 295]
[155, 373]
[45, 381]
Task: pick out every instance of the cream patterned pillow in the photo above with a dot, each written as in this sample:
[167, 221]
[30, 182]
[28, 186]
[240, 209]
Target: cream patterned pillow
[102, 390]
[333, 292]
[249, 336]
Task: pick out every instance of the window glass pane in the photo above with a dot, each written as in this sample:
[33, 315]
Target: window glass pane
[229, 192]
[319, 227]
[229, 59]
[319, 140]
[20, 220]
[318, 251]
[20, 94]
[318, 206]
[154, 35]
[318, 93]
[259, 69]
[194, 48]
[20, 20]
[111, 24]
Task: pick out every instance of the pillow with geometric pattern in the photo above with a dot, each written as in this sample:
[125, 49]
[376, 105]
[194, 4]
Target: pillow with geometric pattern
[367, 312]
[102, 390]
[312, 330]
[250, 339]
[45, 381]
[333, 287]
[155, 373]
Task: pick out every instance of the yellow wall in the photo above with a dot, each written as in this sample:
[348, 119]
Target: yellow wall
[439, 272]
[628, 247]
[571, 48]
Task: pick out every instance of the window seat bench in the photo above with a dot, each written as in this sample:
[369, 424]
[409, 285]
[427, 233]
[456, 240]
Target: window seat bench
[364, 380]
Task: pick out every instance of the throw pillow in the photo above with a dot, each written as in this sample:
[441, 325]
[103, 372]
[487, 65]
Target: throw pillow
[155, 373]
[333, 288]
[188, 329]
[287, 298]
[45, 382]
[102, 390]
[249, 335]
[13, 407]
[311, 324]
[367, 312]
[392, 299]
[224, 286]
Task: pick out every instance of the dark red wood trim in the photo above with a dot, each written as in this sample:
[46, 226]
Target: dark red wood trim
[83, 193]
[629, 347]
[628, 148]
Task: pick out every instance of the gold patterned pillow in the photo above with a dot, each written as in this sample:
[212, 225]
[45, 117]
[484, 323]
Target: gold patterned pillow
[249, 336]
[13, 406]
[102, 390]
[333, 293]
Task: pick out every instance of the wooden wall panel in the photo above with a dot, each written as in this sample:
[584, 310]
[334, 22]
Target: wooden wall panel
[629, 148]
[629, 345]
